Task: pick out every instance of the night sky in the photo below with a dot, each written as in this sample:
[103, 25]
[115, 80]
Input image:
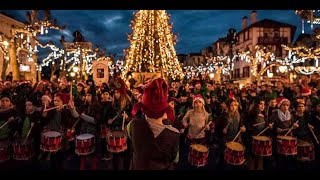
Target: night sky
[196, 29]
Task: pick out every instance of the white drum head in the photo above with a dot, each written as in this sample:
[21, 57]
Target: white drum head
[84, 136]
[52, 134]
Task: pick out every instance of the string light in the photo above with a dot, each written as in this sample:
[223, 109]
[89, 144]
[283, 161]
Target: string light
[152, 45]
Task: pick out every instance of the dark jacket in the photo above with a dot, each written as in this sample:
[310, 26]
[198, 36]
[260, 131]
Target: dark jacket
[151, 153]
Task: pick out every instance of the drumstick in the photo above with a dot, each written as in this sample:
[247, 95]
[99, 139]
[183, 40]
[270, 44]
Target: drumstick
[74, 125]
[258, 124]
[290, 129]
[315, 137]
[25, 140]
[54, 108]
[236, 136]
[263, 131]
[6, 123]
[227, 125]
[123, 121]
[204, 128]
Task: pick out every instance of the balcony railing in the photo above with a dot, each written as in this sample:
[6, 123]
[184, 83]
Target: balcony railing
[272, 40]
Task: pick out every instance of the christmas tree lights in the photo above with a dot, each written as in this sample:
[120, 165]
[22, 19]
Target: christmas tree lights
[152, 46]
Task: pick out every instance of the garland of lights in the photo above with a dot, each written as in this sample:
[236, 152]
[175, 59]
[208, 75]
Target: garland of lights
[300, 58]
[152, 46]
[69, 59]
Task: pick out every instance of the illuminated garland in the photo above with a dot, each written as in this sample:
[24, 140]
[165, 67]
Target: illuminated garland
[301, 57]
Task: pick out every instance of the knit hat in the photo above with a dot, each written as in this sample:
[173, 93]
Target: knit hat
[199, 98]
[47, 97]
[305, 91]
[104, 88]
[6, 94]
[120, 86]
[81, 84]
[139, 89]
[63, 96]
[281, 100]
[154, 101]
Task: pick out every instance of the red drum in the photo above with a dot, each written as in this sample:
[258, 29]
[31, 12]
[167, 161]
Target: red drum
[51, 141]
[116, 141]
[198, 155]
[287, 145]
[85, 144]
[262, 146]
[234, 153]
[21, 150]
[4, 151]
[305, 151]
[104, 130]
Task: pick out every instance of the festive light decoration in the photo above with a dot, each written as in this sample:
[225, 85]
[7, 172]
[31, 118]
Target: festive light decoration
[117, 67]
[66, 60]
[260, 57]
[303, 60]
[152, 45]
[218, 64]
[24, 39]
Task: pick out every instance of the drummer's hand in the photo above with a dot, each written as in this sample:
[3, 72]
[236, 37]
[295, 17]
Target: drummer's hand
[279, 130]
[207, 127]
[270, 125]
[44, 113]
[110, 121]
[243, 129]
[296, 125]
[182, 131]
[189, 136]
[71, 104]
[125, 115]
[310, 126]
[224, 131]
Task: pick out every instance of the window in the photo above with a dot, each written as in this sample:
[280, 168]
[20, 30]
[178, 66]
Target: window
[246, 72]
[100, 73]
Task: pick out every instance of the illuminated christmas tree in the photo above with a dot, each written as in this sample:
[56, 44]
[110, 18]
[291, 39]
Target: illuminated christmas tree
[152, 46]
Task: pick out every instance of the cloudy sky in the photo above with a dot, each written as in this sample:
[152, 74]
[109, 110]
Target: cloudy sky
[196, 29]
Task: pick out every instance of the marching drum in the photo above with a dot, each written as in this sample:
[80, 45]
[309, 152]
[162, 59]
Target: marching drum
[104, 130]
[287, 145]
[234, 153]
[4, 151]
[21, 150]
[51, 141]
[305, 151]
[85, 144]
[116, 141]
[198, 155]
[262, 146]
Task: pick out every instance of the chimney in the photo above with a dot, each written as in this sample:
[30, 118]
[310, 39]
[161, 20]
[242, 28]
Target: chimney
[253, 17]
[244, 22]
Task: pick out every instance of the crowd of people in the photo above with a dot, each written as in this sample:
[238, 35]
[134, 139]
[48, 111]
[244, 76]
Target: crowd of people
[158, 125]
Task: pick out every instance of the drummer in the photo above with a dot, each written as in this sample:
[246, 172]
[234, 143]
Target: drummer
[197, 121]
[283, 122]
[256, 124]
[302, 132]
[229, 126]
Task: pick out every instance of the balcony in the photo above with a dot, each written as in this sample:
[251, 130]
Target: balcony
[272, 40]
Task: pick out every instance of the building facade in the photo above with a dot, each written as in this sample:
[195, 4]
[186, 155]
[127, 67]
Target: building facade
[27, 68]
[264, 33]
